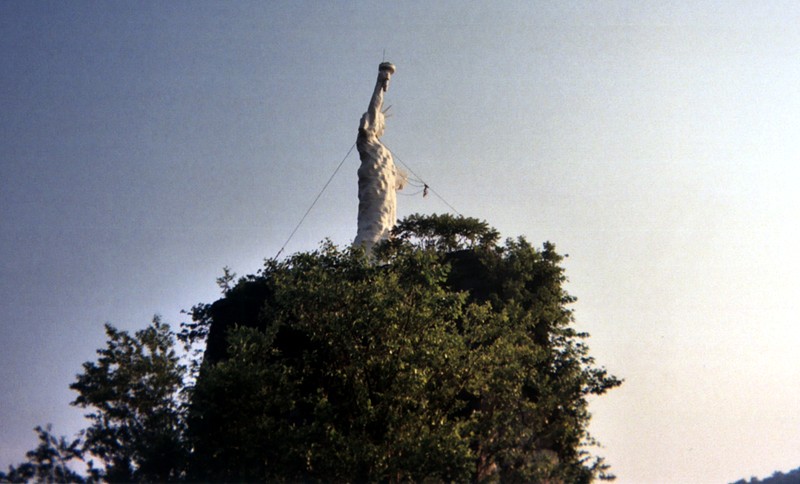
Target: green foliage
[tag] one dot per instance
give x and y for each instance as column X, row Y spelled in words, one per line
column 134, row 391
column 225, row 282
column 445, row 356
column 444, row 232
column 351, row 379
column 451, row 358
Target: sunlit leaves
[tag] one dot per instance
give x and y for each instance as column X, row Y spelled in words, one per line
column 444, row 357
column 133, row 390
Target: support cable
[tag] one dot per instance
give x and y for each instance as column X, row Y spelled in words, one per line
column 315, row 201
column 419, row 178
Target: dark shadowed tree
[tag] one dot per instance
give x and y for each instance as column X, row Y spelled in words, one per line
column 50, row 461
column 446, row 357
column 777, row 477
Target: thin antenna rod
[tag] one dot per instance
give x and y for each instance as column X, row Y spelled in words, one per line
column 384, row 56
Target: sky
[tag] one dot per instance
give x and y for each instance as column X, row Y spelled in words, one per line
column 146, row 145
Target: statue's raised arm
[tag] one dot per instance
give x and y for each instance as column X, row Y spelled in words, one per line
column 373, row 121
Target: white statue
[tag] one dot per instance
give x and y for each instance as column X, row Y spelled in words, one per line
column 378, row 178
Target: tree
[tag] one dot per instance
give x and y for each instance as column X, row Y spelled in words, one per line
column 50, row 461
column 451, row 358
column 445, row 356
column 137, row 423
column 777, row 477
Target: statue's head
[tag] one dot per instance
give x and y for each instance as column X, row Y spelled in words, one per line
column 379, row 123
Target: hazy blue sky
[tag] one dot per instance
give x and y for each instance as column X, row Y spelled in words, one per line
column 145, row 145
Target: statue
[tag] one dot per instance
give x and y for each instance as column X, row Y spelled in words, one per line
column 378, row 178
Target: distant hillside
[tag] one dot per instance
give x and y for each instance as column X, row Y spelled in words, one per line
column 792, row 477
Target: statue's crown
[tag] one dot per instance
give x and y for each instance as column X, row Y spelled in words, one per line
column 387, row 66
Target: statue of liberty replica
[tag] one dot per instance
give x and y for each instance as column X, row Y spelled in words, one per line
column 378, row 178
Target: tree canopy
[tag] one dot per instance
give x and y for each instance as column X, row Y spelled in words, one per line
column 445, row 356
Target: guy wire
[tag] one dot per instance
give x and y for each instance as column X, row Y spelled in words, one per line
column 419, row 178
column 315, row 201
column 394, row 155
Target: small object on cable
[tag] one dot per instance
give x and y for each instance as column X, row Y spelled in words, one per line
column 425, row 191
